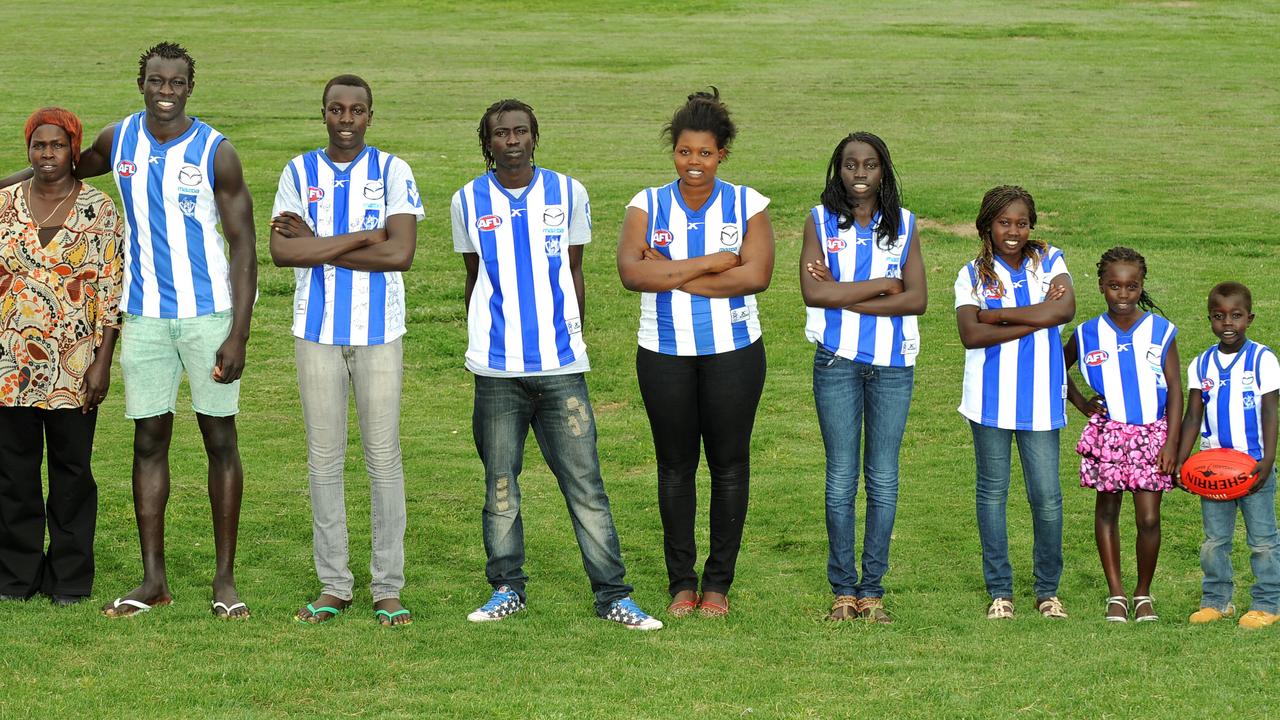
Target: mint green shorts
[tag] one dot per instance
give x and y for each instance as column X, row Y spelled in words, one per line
column 155, row 351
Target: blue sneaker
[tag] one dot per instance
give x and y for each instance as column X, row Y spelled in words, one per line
column 502, row 603
column 625, row 611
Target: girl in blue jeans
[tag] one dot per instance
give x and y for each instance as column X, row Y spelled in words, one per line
column 862, row 277
column 1011, row 302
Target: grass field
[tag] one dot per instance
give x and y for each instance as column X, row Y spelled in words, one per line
column 1139, row 123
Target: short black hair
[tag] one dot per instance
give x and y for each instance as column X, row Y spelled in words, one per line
column 348, row 81
column 503, row 106
column 703, row 112
column 167, row 51
column 1231, row 288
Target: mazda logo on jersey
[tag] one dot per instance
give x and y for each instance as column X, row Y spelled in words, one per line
column 553, row 216
column 489, row 223
column 315, row 194
column 662, row 238
column 1096, row 358
column 190, row 175
column 373, row 190
column 729, row 235
column 126, row 168
column 836, row 244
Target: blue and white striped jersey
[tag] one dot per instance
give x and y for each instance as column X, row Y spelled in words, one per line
column 1232, row 387
column 175, row 264
column 1020, row 384
column 336, row 305
column 678, row 323
column 854, row 255
column 1127, row 367
column 523, row 318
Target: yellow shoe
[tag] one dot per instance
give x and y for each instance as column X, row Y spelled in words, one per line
column 1257, row 619
column 1207, row 614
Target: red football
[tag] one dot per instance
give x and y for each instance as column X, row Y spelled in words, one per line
column 1219, row 474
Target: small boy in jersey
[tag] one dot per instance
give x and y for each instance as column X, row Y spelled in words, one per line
column 1231, row 400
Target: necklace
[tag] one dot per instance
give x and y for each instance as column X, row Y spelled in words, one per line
column 30, row 205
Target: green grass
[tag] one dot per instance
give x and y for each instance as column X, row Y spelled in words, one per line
column 1145, row 124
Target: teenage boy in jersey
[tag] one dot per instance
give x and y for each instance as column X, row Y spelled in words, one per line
column 345, row 219
column 185, row 307
column 1231, row 403
column 520, row 229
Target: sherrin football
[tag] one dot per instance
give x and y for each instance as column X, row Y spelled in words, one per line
column 1219, row 474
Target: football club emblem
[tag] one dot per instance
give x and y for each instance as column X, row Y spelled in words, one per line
column 1096, row 358
column 373, row 190
column 315, row 194
column 552, row 243
column 553, row 216
column 836, row 244
column 187, row 204
column 489, row 223
column 370, row 220
column 190, row 175
column 126, row 168
column 729, row 235
column 662, row 238
column 414, row 198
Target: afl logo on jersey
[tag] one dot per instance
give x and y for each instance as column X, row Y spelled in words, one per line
column 1206, row 385
column 489, row 223
column 993, row 292
column 662, row 238
column 373, row 190
column 1096, row 358
column 729, row 235
column 836, row 244
column 190, row 175
column 553, row 216
column 126, row 168
column 315, row 194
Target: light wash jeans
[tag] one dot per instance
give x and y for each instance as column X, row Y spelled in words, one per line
column 1038, row 450
column 559, row 410
column 849, row 394
column 1259, row 511
column 325, row 372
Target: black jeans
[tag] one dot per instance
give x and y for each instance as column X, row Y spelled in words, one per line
column 71, row 511
column 707, row 400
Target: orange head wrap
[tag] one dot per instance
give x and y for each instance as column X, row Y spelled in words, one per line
column 62, row 118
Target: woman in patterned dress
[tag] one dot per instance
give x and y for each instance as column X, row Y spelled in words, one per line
column 59, row 293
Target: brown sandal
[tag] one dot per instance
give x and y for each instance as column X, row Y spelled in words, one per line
column 846, row 607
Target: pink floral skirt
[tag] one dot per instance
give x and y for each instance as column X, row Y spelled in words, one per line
column 1116, row 456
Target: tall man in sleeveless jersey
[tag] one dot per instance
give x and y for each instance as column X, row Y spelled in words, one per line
column 520, row 229
column 186, row 308
column 345, row 219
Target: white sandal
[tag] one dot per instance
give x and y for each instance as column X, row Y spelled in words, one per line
column 1139, row 601
column 1123, row 602
column 1001, row 609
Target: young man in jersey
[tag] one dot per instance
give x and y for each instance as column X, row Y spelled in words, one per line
column 185, row 307
column 520, row 229
column 345, row 218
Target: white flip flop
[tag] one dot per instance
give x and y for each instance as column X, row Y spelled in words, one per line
column 138, row 605
column 228, row 609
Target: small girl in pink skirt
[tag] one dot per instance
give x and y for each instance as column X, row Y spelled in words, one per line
column 1129, row 357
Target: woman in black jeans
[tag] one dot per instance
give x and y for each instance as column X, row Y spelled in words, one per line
column 698, row 249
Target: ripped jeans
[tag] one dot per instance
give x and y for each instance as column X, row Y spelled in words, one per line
column 559, row 410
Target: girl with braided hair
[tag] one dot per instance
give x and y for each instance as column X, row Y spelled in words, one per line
column 1129, row 357
column 1010, row 303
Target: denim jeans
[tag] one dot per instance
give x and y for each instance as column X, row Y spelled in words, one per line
column 559, row 410
column 325, row 372
column 1038, row 450
column 847, row 394
column 1259, row 510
